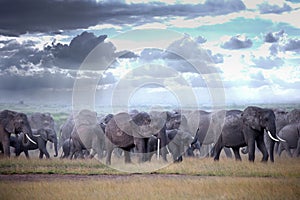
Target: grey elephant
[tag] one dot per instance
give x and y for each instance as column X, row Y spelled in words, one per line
column 178, row 141
column 39, row 120
column 12, row 122
column 206, row 127
column 66, row 147
column 66, row 150
column 87, row 134
column 245, row 129
column 291, row 134
column 66, row 130
column 282, row 118
column 127, row 132
column 40, row 137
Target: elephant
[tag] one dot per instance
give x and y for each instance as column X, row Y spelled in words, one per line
column 282, row 118
column 291, row 134
column 87, row 134
column 105, row 120
column 66, row 130
column 244, row 129
column 127, row 131
column 207, row 127
column 16, row 123
column 66, row 148
column 39, row 120
column 40, row 137
column 177, row 141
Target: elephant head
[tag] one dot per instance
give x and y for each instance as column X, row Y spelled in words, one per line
column 140, row 124
column 14, row 122
column 260, row 119
column 48, row 134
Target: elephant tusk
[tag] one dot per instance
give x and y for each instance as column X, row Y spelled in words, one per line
column 30, row 139
column 272, row 137
column 282, row 140
column 36, row 135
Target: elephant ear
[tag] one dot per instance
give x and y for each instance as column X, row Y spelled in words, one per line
column 9, row 126
column 6, row 120
column 252, row 117
column 43, row 133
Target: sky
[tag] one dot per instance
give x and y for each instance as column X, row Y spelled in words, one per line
column 138, row 52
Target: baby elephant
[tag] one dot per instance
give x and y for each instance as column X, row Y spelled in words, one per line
column 177, row 141
column 291, row 134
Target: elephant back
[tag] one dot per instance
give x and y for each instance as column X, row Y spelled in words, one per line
column 41, row 120
column 294, row 116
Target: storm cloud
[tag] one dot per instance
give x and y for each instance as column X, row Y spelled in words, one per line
column 237, row 42
column 19, row 16
column 266, row 8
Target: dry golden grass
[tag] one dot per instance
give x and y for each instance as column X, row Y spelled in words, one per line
column 191, row 179
column 155, row 187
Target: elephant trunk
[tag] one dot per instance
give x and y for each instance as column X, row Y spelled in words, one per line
column 55, row 148
column 196, row 137
column 26, row 130
column 271, row 130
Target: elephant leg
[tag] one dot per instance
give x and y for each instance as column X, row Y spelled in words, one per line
column 280, row 149
column 297, row 150
column 43, row 149
column 228, row 152
column 108, row 156
column 163, row 144
column 236, row 151
column 218, row 148
column 26, row 153
column 287, row 148
column 41, row 155
column 91, row 155
column 6, row 147
column 127, row 156
column 262, row 147
column 276, row 147
column 212, row 151
column 251, row 147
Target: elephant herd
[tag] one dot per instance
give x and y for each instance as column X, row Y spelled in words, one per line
column 144, row 134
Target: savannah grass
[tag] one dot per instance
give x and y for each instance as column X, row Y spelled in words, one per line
column 191, row 179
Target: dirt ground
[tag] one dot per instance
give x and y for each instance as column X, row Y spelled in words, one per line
column 50, row 177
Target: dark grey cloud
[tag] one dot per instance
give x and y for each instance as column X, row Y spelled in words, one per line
column 200, row 39
column 19, row 55
column 286, row 44
column 23, row 66
column 268, row 62
column 19, row 16
column 71, row 56
column 186, row 55
column 266, row 8
column 292, row 45
column 237, row 42
column 45, row 79
column 272, row 37
column 216, row 58
column 66, row 56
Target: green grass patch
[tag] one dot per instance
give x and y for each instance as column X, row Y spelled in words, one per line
column 283, row 167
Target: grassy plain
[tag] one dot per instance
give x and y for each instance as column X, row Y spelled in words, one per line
column 191, row 179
